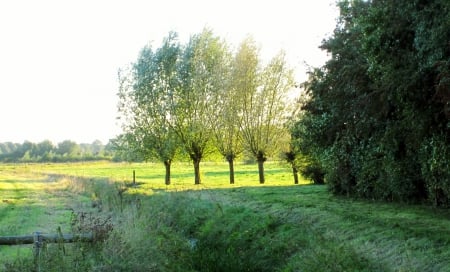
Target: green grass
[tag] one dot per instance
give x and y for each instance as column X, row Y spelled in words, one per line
column 387, row 236
column 32, row 202
column 214, row 174
column 216, row 226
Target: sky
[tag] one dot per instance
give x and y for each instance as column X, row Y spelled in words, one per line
column 59, row 59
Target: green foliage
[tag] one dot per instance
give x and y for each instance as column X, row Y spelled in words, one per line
column 261, row 93
column 434, row 158
column 377, row 112
column 201, row 73
column 314, row 172
column 45, row 151
column 147, row 106
column 197, row 97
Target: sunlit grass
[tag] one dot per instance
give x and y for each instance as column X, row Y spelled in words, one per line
column 151, row 175
column 31, row 202
column 40, row 197
column 305, row 228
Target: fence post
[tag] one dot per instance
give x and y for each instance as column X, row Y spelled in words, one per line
column 37, row 245
column 134, row 177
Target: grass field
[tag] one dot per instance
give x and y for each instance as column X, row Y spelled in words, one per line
column 216, row 226
column 214, row 174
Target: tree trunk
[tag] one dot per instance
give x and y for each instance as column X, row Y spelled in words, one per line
column 295, row 173
column 197, row 171
column 231, row 165
column 167, row 164
column 261, row 171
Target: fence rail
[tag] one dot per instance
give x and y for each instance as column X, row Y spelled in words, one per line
column 45, row 238
column 38, row 239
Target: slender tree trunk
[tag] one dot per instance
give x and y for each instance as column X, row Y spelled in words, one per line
column 197, row 171
column 261, row 171
column 231, row 165
column 295, row 173
column 167, row 164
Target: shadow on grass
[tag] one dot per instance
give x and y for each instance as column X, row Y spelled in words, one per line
column 340, row 234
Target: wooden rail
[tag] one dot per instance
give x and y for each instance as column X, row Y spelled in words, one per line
column 46, row 238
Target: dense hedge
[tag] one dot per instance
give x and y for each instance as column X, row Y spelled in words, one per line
column 378, row 114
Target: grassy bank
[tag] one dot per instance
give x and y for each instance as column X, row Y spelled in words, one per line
column 219, row 227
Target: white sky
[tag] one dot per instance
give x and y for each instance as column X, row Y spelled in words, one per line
column 59, row 58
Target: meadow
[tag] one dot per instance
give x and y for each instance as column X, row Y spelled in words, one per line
column 213, row 226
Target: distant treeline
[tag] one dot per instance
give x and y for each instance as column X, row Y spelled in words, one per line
column 46, row 151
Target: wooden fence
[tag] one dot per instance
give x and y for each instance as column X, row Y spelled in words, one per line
column 38, row 240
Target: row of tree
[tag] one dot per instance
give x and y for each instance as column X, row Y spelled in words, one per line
column 202, row 96
column 46, row 151
column 377, row 117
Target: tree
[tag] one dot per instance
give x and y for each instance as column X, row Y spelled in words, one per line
column 25, row 151
column 147, row 103
column 291, row 155
column 200, row 74
column 97, row 148
column 243, row 85
column 226, row 131
column 68, row 149
column 263, row 96
column 198, row 94
column 44, row 150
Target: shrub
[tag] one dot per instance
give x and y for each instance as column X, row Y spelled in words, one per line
column 434, row 159
column 314, row 172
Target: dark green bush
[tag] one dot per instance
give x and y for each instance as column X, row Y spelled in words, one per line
column 314, row 172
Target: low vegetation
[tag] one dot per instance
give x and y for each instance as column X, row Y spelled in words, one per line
column 214, row 226
column 47, row 151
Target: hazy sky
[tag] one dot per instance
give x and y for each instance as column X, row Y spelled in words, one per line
column 59, row 58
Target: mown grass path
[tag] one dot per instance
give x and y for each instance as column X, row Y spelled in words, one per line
column 381, row 236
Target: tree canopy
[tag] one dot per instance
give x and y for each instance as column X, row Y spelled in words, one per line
column 46, row 151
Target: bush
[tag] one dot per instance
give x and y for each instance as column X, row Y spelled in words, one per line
column 314, row 172
column 434, row 159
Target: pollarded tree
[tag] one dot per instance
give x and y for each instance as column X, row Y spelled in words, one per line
column 226, row 131
column 225, row 128
column 146, row 97
column 200, row 73
column 264, row 102
column 242, row 86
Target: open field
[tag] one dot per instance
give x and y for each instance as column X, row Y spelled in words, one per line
column 217, row 226
column 214, row 174
column 33, row 202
